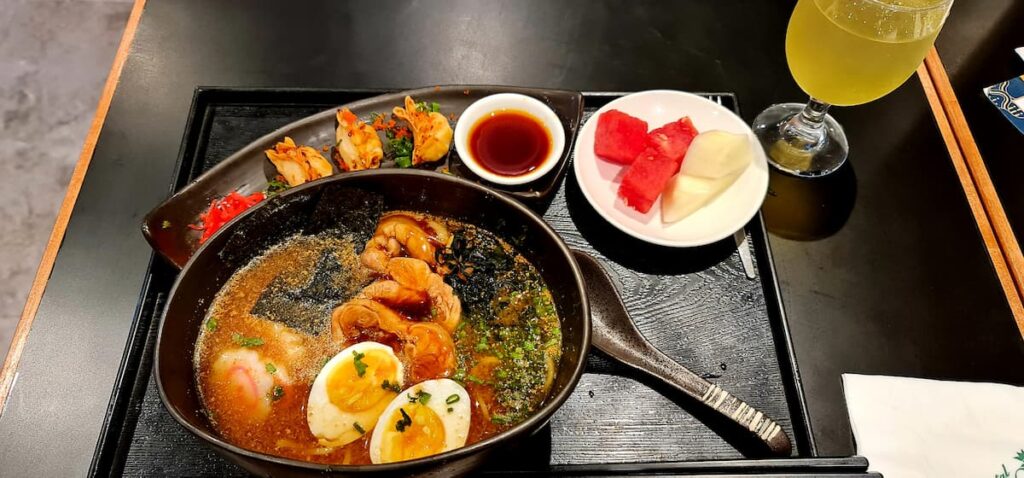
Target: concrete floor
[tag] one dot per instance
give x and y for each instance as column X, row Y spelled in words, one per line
column 54, row 59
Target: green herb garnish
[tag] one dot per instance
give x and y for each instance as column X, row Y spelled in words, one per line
column 404, row 422
column 246, row 341
column 422, row 397
column 403, row 161
column 435, row 107
column 394, row 387
column 478, row 381
column 422, row 107
column 500, row 419
column 165, row 225
column 358, row 362
column 276, row 393
column 542, row 305
column 271, row 368
column 450, row 409
column 275, row 186
column 453, row 398
column 211, row 324
column 358, row 428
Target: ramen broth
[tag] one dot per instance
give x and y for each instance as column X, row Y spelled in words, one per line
column 255, row 363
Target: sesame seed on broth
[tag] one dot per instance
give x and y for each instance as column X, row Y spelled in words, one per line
column 255, row 364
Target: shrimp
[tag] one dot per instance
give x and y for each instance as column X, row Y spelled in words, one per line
column 357, row 143
column 414, row 287
column 298, row 164
column 407, row 232
column 432, row 135
column 427, row 346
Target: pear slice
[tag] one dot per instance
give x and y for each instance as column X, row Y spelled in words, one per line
column 717, row 154
column 714, row 161
column 686, row 194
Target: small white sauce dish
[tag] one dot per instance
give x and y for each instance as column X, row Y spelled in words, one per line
column 490, row 105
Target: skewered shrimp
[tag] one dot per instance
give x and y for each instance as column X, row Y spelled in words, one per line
column 398, row 232
column 357, row 143
column 298, row 164
column 427, row 346
column 432, row 135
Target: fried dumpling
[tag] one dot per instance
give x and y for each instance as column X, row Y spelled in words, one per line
column 432, row 135
column 357, row 144
column 298, row 164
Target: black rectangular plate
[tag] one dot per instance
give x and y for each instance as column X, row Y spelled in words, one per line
column 696, row 305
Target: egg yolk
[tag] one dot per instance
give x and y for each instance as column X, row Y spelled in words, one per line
column 350, row 392
column 422, row 435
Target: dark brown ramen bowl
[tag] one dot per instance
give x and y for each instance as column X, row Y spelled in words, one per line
column 327, row 205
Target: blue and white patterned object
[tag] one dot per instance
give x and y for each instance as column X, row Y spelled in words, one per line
column 1008, row 96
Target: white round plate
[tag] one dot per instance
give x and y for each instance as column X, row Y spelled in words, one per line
column 720, row 218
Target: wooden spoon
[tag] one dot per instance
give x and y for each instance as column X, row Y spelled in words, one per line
column 615, row 334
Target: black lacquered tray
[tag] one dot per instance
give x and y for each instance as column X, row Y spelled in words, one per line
column 696, row 305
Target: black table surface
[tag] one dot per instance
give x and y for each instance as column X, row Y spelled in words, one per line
column 978, row 51
column 881, row 267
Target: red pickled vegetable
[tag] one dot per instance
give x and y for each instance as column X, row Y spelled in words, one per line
column 223, row 210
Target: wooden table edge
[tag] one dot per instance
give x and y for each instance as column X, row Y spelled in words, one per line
column 1009, row 266
column 987, row 208
column 35, row 294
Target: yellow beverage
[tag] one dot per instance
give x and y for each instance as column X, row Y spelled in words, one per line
column 849, row 52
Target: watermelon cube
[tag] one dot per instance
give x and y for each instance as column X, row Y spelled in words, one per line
column 673, row 139
column 648, row 175
column 619, row 137
column 646, row 178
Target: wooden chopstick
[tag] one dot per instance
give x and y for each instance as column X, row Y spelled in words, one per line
column 1000, row 241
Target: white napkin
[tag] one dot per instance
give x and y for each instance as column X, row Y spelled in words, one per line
column 910, row 427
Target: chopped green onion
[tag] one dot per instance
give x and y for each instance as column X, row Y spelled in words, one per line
column 275, row 186
column 271, row 368
column 403, row 161
column 404, row 422
column 276, row 393
column 452, row 399
column 358, row 362
column 424, row 398
column 358, row 428
column 394, row 387
column 246, row 341
column 165, row 225
column 211, row 324
column 435, row 107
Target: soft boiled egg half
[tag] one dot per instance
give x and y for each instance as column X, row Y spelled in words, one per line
column 430, row 417
column 351, row 391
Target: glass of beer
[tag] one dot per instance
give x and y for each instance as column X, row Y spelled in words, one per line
column 843, row 52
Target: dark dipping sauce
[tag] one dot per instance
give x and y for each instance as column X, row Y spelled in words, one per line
column 509, row 143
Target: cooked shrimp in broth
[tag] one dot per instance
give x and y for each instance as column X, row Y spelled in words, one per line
column 427, row 303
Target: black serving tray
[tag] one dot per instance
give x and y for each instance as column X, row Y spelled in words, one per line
column 696, row 305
